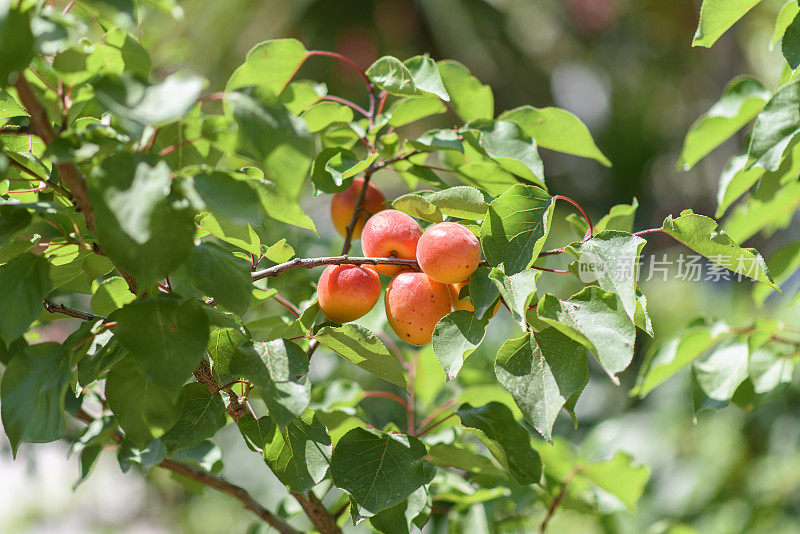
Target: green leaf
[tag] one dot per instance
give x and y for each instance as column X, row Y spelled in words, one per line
column 299, row 455
column 220, row 274
column 743, row 98
column 556, row 129
column 166, row 337
column 323, row 114
column 619, row 217
column 269, row 65
column 597, row 320
column 399, row 518
column 363, row 348
column 32, row 394
column 147, row 457
column 783, row 263
column 407, row 110
column 542, row 370
column 148, row 105
column 299, row 95
column 452, row 455
column 619, row 477
column 716, row 16
column 486, row 176
column 16, row 41
column 667, row 358
column 790, row 43
column 378, row 470
column 135, row 199
column 610, row 259
column 463, row 202
column 455, row 337
column 279, row 370
column 434, row 140
column 281, row 144
column 703, row 235
column 771, row 212
column 223, row 342
column 469, row 97
column 144, row 409
column 516, row 290
column 482, row 292
column 417, row 76
column 506, row 439
column 333, row 167
column 510, row 146
column 515, row 228
column 256, row 432
column 24, row 283
column 202, row 414
column 229, row 196
column 776, row 126
column 735, row 181
column 111, row 294
column 715, row 379
column 103, row 353
column 786, row 16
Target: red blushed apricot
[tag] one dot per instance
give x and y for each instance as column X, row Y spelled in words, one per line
column 390, row 233
column 343, row 204
column 448, row 252
column 414, row 304
column 347, row 292
column 455, row 289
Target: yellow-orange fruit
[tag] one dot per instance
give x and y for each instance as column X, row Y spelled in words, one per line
column 390, row 233
column 448, row 252
column 343, row 204
column 414, row 304
column 455, row 289
column 347, row 292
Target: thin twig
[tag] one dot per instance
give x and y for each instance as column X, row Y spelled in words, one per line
column 15, row 130
column 560, row 497
column 434, row 425
column 343, row 59
column 72, row 312
column 386, row 395
column 348, row 236
column 346, row 102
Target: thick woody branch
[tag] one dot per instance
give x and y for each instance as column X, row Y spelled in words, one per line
column 310, row 263
column 213, row 481
column 40, row 126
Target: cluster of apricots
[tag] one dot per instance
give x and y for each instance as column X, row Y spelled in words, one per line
column 447, row 253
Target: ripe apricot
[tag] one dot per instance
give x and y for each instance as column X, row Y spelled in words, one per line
column 458, row 304
column 347, row 292
column 448, row 252
column 414, row 304
column 343, row 204
column 390, row 233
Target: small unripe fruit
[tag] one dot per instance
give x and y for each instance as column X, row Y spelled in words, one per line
column 448, row 252
column 455, row 289
column 391, row 233
column 414, row 304
column 347, row 292
column 343, row 204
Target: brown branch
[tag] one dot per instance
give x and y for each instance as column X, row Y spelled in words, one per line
column 348, row 236
column 236, row 408
column 212, row 481
column 560, row 497
column 324, row 520
column 40, row 126
column 310, row 263
column 72, row 312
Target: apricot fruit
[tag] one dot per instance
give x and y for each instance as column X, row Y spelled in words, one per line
column 448, row 252
column 343, row 205
column 347, row 292
column 414, row 304
column 458, row 304
column 391, row 233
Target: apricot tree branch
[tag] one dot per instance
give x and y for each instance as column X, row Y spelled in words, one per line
column 347, row 103
column 344, row 59
column 310, row 263
column 72, row 312
column 212, row 481
column 41, row 127
column 560, row 497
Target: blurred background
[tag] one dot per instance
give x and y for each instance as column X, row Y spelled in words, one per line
column 626, row 68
